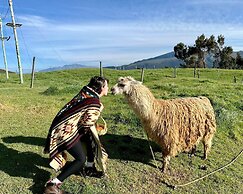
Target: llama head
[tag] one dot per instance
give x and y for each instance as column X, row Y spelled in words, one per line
column 123, row 85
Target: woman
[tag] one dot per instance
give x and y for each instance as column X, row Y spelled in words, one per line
column 73, row 130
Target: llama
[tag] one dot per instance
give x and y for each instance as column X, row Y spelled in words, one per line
column 177, row 125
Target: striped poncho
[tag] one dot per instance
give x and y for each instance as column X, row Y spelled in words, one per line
column 75, row 119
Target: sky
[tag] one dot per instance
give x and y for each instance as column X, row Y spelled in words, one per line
column 115, row 32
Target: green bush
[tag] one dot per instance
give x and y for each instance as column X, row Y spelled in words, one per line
column 52, row 90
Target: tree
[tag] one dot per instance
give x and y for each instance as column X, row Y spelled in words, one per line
column 200, row 45
column 204, row 46
column 191, row 61
column 181, row 51
column 239, row 61
column 217, row 50
column 226, row 59
column 194, row 56
column 186, row 54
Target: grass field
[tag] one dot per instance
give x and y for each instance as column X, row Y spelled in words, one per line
column 26, row 114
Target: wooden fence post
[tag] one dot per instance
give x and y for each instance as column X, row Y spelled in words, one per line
column 174, row 72
column 101, row 69
column 33, row 73
column 198, row 73
column 194, row 72
column 142, row 75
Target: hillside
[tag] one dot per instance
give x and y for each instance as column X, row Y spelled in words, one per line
column 65, row 67
column 3, row 71
column 166, row 60
column 163, row 61
column 26, row 115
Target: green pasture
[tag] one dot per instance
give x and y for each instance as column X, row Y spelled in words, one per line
column 26, row 114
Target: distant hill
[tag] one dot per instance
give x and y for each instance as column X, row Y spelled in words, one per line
column 3, row 71
column 72, row 66
column 166, row 60
column 235, row 53
column 163, row 61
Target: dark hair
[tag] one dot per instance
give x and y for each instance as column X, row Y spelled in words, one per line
column 97, row 83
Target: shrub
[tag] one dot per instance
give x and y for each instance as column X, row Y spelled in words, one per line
column 52, row 90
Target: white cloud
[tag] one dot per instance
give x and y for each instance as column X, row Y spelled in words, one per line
column 119, row 42
column 33, row 21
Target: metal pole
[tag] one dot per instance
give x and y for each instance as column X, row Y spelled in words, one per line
column 3, row 47
column 16, row 42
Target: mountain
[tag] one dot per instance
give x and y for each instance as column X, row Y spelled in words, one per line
column 164, row 61
column 72, row 66
column 161, row 61
column 235, row 53
column 3, row 71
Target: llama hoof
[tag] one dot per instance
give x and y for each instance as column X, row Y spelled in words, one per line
column 203, row 167
column 204, row 157
column 191, row 155
column 163, row 170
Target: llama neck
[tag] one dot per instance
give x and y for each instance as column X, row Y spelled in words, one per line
column 141, row 100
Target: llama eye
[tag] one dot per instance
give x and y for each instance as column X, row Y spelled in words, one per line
column 121, row 85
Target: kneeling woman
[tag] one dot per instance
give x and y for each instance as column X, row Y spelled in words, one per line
column 73, row 130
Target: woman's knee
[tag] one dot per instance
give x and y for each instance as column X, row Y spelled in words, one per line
column 78, row 152
column 81, row 160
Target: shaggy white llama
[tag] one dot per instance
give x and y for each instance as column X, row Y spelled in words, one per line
column 177, row 125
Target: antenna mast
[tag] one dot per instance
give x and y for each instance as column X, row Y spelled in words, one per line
column 3, row 47
column 14, row 25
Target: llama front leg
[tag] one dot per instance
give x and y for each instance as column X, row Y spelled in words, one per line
column 193, row 151
column 166, row 161
column 207, row 143
column 207, row 146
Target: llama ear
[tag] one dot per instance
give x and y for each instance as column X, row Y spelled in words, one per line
column 120, row 79
column 130, row 78
column 136, row 82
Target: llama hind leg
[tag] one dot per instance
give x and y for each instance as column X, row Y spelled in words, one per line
column 166, row 161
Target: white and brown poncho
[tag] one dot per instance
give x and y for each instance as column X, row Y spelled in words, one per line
column 76, row 118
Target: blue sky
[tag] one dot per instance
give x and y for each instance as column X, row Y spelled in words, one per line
column 116, row 32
